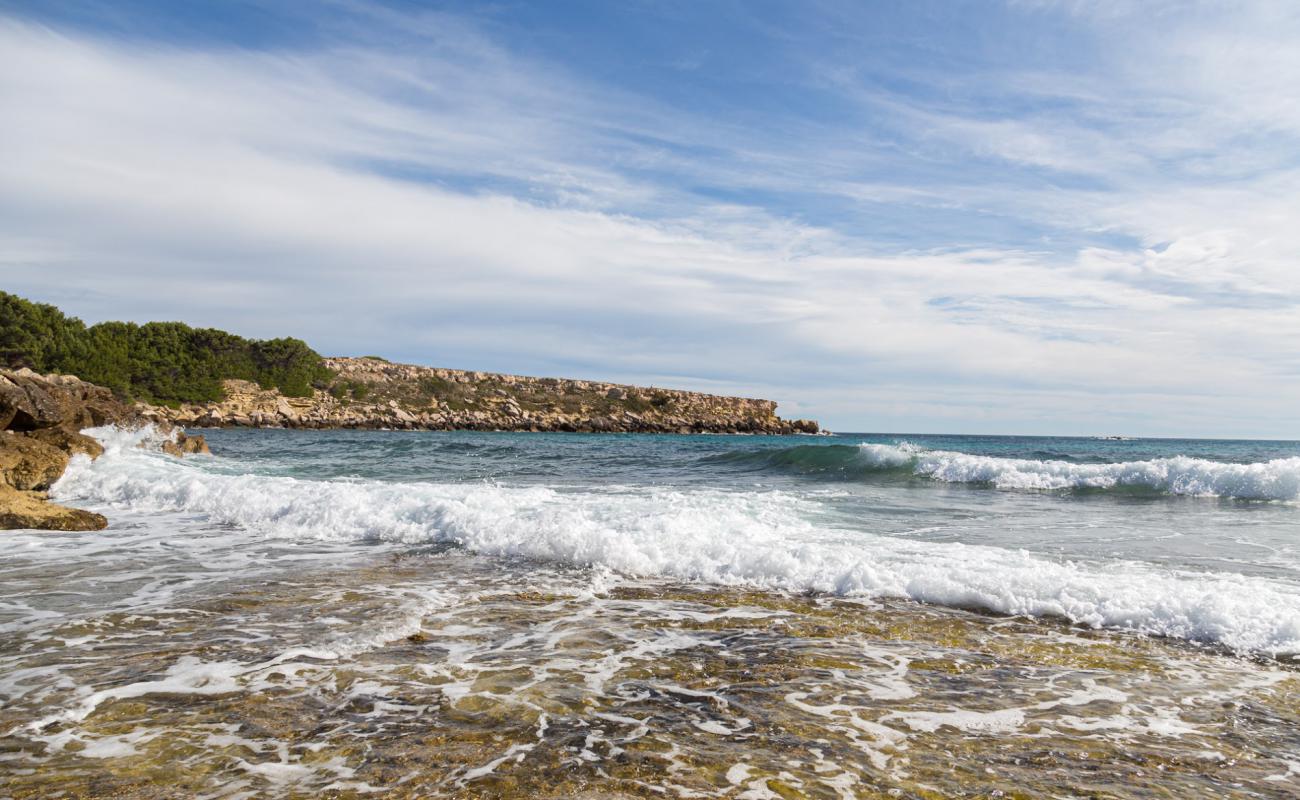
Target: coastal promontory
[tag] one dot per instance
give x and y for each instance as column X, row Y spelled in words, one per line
column 177, row 374
column 59, row 376
column 372, row 393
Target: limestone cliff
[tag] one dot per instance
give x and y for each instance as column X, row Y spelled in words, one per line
column 373, row 393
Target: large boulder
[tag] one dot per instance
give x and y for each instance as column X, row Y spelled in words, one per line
column 30, row 510
column 29, row 401
column 27, row 464
column 26, row 403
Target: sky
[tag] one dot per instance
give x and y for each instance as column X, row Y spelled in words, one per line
column 1020, row 217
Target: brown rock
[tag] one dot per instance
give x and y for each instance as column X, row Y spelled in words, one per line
column 27, row 464
column 30, row 510
column 185, row 443
column 69, row 441
column 27, row 404
column 41, row 417
column 29, row 401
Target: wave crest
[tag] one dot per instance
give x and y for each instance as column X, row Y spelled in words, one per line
column 763, row 539
column 1179, row 475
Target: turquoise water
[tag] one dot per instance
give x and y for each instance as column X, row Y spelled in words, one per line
column 1183, row 505
column 415, row 614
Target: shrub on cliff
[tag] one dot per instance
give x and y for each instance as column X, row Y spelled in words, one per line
column 159, row 361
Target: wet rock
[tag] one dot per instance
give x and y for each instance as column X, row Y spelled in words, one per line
column 27, row 464
column 186, row 444
column 41, row 417
column 805, row 426
column 69, row 441
column 31, row 511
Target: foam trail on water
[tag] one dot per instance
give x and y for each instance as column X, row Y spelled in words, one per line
column 759, row 538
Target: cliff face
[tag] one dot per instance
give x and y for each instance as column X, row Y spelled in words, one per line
column 373, row 393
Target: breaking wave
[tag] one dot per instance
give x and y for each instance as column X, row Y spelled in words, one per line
column 1278, row 479
column 758, row 538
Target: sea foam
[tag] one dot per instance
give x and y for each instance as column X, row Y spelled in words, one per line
column 1278, row 479
column 757, row 538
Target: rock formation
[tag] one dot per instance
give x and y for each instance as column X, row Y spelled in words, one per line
column 373, row 393
column 41, row 417
column 32, row 510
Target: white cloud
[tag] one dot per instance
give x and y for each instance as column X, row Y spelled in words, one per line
column 320, row 193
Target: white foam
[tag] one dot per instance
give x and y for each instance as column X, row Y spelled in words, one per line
column 1001, row 721
column 1278, row 479
column 738, row 774
column 759, row 538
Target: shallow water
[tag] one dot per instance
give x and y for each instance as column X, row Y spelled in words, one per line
column 488, row 615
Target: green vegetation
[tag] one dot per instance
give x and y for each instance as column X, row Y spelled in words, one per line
column 433, row 386
column 161, row 362
column 349, row 390
column 637, row 404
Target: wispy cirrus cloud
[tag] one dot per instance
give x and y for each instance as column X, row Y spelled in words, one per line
column 1009, row 247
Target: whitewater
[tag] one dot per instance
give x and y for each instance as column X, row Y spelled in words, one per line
column 1278, row 479
column 447, row 614
column 781, row 536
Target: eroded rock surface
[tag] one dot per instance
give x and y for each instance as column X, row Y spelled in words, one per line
column 30, row 401
column 31, row 510
column 27, row 464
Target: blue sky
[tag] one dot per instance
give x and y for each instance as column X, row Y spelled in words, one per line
column 1016, row 217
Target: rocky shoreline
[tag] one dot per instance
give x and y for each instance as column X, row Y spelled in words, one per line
column 42, row 416
column 41, row 419
column 371, row 393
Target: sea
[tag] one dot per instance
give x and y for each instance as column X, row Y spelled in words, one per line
column 356, row 614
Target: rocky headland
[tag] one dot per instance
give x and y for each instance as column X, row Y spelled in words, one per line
column 41, row 419
column 42, row 416
column 371, row 393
